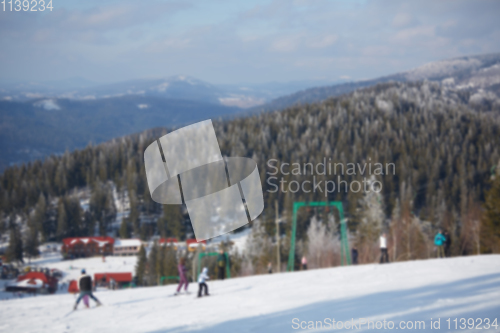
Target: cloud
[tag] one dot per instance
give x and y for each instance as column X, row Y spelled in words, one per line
column 408, row 35
column 286, row 44
column 324, row 41
column 402, row 20
column 226, row 41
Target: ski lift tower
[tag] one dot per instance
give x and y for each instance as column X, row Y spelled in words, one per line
column 345, row 256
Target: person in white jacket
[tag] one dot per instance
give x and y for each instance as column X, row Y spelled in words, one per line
column 201, row 282
column 384, row 257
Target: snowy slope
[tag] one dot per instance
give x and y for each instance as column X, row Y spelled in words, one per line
column 72, row 268
column 466, row 287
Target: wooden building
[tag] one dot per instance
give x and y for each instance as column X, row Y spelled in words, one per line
column 82, row 247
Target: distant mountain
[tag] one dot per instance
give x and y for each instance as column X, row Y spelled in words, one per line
column 37, row 128
column 478, row 74
column 38, row 119
column 177, row 87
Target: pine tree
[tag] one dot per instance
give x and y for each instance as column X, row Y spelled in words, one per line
column 62, row 219
column 40, row 217
column 31, row 244
column 153, row 265
column 160, row 262
column 170, row 266
column 74, row 214
column 15, row 249
column 102, row 206
column 124, row 229
column 2, row 224
column 134, row 213
column 490, row 230
column 140, row 268
column 173, row 221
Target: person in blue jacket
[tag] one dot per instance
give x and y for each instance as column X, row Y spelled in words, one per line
column 439, row 241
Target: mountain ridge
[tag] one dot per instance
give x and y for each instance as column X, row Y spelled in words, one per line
column 480, row 74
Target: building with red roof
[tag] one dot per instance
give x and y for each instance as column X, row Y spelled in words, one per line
column 169, row 242
column 34, row 282
column 192, row 244
column 108, row 279
column 81, row 247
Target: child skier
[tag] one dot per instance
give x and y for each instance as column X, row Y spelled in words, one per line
column 201, row 282
column 86, row 301
column 182, row 277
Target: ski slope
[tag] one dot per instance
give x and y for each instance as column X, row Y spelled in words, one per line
column 72, row 268
column 464, row 287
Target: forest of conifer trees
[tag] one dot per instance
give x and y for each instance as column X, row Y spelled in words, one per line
column 446, row 153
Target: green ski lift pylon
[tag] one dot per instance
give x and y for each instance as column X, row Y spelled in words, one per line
column 163, row 278
column 345, row 256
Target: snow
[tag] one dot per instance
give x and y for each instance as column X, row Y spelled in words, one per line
column 127, row 242
column 464, row 287
column 72, row 268
column 238, row 239
column 441, row 68
column 48, row 104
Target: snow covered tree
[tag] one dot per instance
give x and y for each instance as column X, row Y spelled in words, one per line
column 371, row 223
column 323, row 244
column 258, row 248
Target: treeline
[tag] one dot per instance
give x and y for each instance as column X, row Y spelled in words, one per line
column 444, row 150
column 161, row 262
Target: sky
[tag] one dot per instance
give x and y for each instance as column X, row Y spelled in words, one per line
column 229, row 41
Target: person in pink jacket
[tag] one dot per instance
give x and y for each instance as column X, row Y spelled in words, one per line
column 182, row 276
column 304, row 263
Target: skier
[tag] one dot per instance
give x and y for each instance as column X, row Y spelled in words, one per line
column 182, row 276
column 201, row 282
column 270, row 268
column 447, row 244
column 384, row 257
column 354, row 254
column 85, row 285
column 439, row 241
column 304, row 263
column 112, row 284
column 221, row 265
column 86, row 301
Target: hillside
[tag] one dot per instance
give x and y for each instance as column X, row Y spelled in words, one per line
column 38, row 128
column 413, row 291
column 37, row 120
column 478, row 74
column 40, row 119
column 443, row 148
